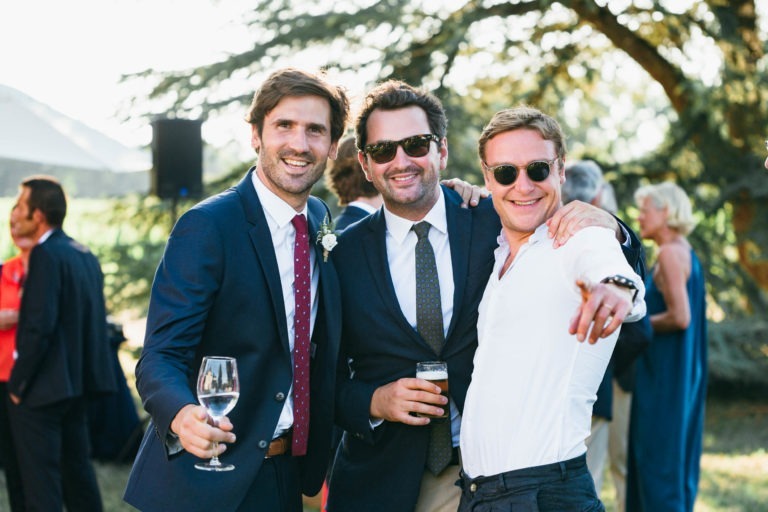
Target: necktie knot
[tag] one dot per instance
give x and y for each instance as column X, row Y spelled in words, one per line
column 421, row 229
column 300, row 224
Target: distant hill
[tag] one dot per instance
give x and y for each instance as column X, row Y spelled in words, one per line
column 36, row 139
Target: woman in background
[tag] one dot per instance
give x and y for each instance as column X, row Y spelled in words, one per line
column 671, row 382
column 11, row 281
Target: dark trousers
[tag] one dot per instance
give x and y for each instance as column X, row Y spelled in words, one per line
column 558, row 487
column 8, row 454
column 53, row 451
column 277, row 487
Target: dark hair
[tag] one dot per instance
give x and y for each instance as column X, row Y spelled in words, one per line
column 523, row 117
column 345, row 177
column 393, row 95
column 46, row 195
column 295, row 82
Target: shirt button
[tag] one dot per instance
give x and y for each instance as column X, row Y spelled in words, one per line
column 280, row 397
column 263, row 444
column 473, row 487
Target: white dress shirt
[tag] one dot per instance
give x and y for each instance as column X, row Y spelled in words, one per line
column 533, row 383
column 279, row 215
column 401, row 256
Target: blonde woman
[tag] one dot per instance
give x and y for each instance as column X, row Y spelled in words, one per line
column 670, row 387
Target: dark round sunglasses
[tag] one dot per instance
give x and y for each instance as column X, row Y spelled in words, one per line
column 506, row 174
column 415, row 146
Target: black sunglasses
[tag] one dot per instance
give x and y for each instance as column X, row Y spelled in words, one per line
column 506, row 174
column 415, row 146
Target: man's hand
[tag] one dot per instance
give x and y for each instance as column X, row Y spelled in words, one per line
column 196, row 431
column 470, row 194
column 14, row 398
column 577, row 215
column 396, row 400
column 603, row 307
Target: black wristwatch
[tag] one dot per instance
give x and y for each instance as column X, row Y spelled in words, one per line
column 623, row 282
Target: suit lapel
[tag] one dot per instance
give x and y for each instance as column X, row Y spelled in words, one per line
column 328, row 280
column 375, row 246
column 459, row 235
column 261, row 239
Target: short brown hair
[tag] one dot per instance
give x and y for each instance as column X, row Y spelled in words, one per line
column 396, row 94
column 345, row 177
column 295, row 82
column 46, row 195
column 523, row 117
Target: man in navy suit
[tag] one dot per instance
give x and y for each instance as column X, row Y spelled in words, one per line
column 225, row 287
column 63, row 355
column 381, row 463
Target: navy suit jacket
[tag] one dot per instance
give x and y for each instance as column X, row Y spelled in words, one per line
column 217, row 291
column 381, row 470
column 350, row 215
column 62, row 343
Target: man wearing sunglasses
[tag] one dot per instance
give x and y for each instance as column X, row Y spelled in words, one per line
column 528, row 408
column 390, row 458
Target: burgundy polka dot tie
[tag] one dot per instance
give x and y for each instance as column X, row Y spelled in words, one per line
column 301, row 320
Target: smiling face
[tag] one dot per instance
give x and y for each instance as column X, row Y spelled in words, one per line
column 525, row 204
column 294, row 147
column 409, row 185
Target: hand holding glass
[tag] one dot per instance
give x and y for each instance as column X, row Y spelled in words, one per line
column 218, row 389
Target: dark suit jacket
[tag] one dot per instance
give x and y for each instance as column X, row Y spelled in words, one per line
column 62, row 342
column 382, row 470
column 217, row 291
column 350, row 215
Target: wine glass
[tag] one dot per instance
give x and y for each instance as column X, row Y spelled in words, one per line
column 218, row 389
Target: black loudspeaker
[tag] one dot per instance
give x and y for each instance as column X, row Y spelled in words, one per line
column 177, row 159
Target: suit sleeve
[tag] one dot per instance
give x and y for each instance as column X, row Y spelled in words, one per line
column 183, row 291
column 353, row 403
column 40, row 304
column 633, row 251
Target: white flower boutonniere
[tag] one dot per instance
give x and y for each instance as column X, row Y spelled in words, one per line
column 327, row 237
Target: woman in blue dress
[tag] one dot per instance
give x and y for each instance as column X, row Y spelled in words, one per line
column 670, row 388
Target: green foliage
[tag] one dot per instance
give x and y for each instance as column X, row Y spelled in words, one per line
column 651, row 90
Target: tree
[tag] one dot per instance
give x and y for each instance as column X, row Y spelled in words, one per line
column 614, row 71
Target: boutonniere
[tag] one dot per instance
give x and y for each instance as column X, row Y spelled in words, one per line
column 327, row 237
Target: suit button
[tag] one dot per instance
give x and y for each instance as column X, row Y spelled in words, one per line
column 472, row 487
column 263, row 444
column 280, row 397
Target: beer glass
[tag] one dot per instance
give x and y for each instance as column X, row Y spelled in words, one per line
column 435, row 372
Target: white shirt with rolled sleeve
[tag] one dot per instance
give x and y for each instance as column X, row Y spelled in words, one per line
column 533, row 383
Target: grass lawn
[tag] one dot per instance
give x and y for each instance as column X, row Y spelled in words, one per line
column 734, row 475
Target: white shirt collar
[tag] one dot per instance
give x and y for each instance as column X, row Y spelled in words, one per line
column 45, row 236
column 399, row 227
column 280, row 211
column 363, row 206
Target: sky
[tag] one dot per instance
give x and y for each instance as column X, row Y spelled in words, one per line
column 70, row 54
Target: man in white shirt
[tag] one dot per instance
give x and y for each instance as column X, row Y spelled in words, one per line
column 528, row 407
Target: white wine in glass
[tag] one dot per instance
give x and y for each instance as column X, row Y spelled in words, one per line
column 218, row 389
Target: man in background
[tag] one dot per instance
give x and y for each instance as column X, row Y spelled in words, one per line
column 63, row 355
column 346, row 180
column 610, row 414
